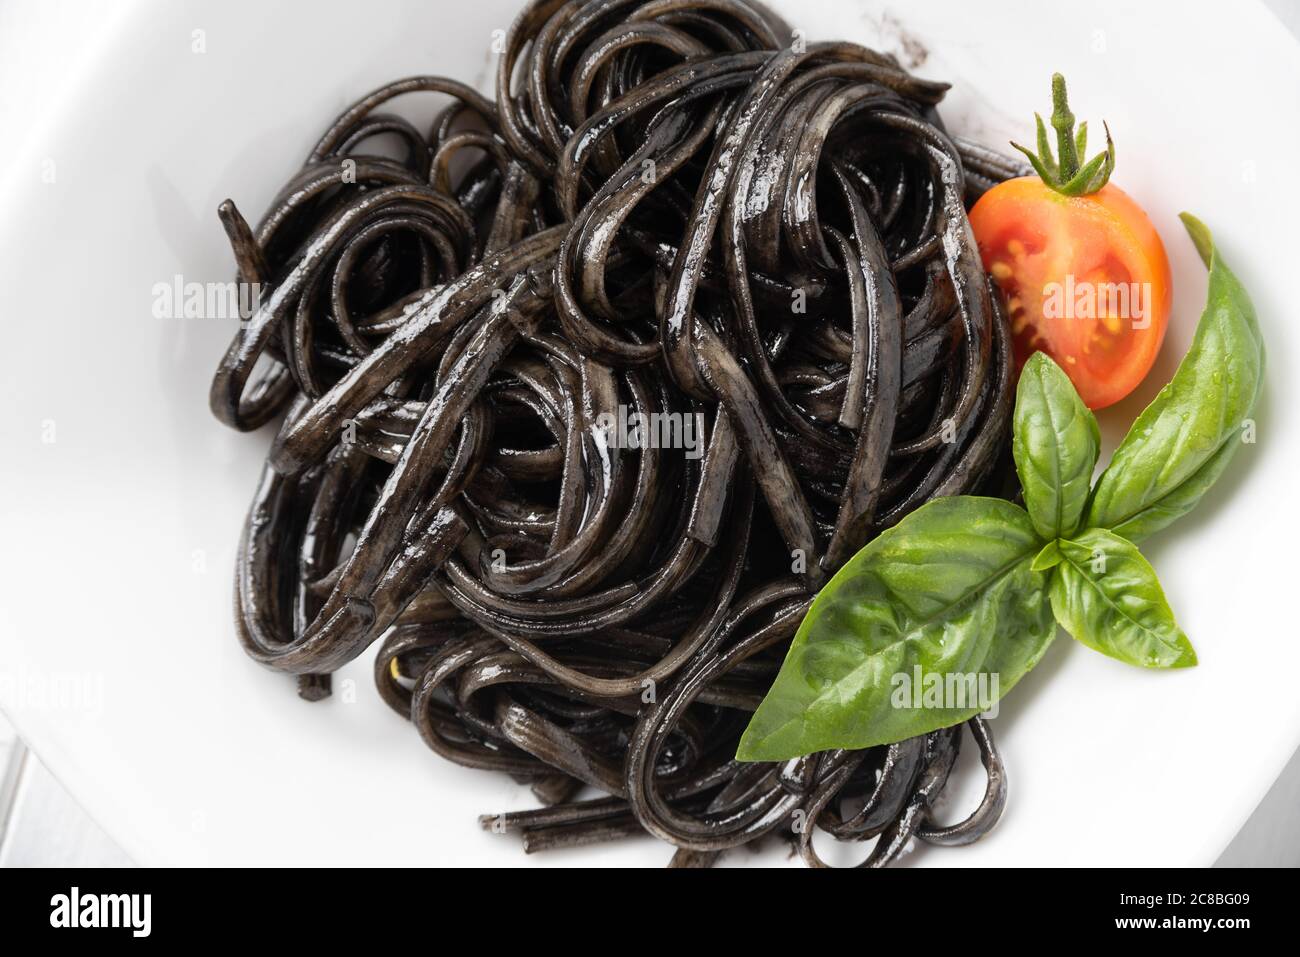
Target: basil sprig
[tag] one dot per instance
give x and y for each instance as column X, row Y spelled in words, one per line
column 972, row 588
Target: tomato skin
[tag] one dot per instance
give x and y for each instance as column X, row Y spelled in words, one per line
column 1050, row 253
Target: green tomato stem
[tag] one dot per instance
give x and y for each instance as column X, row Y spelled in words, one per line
column 1066, row 173
column 1063, row 123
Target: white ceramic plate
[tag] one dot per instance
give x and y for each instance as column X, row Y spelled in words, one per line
column 123, row 499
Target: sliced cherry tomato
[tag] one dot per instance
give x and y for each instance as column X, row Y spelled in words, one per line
column 1085, row 278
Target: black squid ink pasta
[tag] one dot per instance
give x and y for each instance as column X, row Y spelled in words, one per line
column 672, row 212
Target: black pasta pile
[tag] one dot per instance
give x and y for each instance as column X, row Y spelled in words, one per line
column 586, row 393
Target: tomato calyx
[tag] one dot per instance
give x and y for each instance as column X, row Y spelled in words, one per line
column 1065, row 175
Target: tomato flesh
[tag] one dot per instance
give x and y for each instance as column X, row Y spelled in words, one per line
column 1084, row 279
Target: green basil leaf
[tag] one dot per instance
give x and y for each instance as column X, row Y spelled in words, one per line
column 948, row 591
column 1055, row 442
column 1107, row 596
column 1049, row 557
column 1183, row 441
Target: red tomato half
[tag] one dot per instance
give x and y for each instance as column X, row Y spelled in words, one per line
column 1085, row 279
